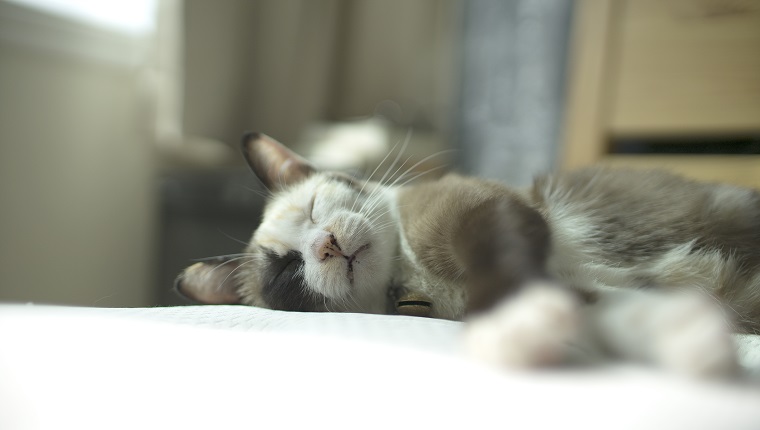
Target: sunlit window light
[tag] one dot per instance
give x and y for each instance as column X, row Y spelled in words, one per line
column 129, row 16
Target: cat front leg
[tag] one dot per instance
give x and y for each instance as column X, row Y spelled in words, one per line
column 532, row 328
column 519, row 317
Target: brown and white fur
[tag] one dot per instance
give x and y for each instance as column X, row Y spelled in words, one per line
column 654, row 267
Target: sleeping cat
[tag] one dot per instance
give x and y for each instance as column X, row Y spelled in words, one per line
column 651, row 266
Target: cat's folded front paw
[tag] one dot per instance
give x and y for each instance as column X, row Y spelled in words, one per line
column 530, row 329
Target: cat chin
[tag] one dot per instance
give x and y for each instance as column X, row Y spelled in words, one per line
column 363, row 290
column 372, row 276
column 329, row 278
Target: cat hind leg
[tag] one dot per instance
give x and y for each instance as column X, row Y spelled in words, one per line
column 682, row 332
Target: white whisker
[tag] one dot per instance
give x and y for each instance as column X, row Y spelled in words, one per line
column 226, row 256
column 382, row 180
column 423, row 161
column 398, row 156
column 232, row 238
column 251, row 260
column 234, row 270
column 373, row 173
column 422, row 174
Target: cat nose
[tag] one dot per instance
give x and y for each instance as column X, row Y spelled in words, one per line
column 329, row 248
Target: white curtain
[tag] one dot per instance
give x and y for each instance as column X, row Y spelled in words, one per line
column 275, row 66
column 491, row 70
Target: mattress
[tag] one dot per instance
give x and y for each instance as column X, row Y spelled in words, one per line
column 243, row 367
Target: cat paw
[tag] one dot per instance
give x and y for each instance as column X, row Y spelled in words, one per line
column 692, row 336
column 530, row 329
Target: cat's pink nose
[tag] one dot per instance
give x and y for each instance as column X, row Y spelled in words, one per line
column 329, row 248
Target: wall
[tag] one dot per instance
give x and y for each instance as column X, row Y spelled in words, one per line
column 76, row 189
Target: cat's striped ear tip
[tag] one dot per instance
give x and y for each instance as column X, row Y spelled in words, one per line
column 274, row 164
column 250, row 136
column 253, row 139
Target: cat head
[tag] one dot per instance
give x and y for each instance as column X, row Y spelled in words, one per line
column 326, row 241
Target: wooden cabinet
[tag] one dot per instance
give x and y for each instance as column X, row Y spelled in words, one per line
column 675, row 70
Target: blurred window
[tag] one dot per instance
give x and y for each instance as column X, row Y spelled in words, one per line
column 132, row 16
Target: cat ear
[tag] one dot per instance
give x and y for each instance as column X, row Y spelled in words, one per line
column 276, row 165
column 210, row 282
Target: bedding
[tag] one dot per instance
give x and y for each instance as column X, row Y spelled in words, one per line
column 243, row 367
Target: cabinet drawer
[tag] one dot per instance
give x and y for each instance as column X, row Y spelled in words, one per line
column 685, row 66
column 733, row 169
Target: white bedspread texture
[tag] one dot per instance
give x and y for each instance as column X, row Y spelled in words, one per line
column 241, row 367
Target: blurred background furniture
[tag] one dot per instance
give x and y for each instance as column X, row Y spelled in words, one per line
column 666, row 83
column 119, row 121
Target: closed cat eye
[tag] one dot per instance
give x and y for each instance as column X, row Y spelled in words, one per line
column 311, row 209
column 346, row 180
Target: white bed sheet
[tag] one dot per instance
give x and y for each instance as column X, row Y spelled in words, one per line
column 242, row 367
